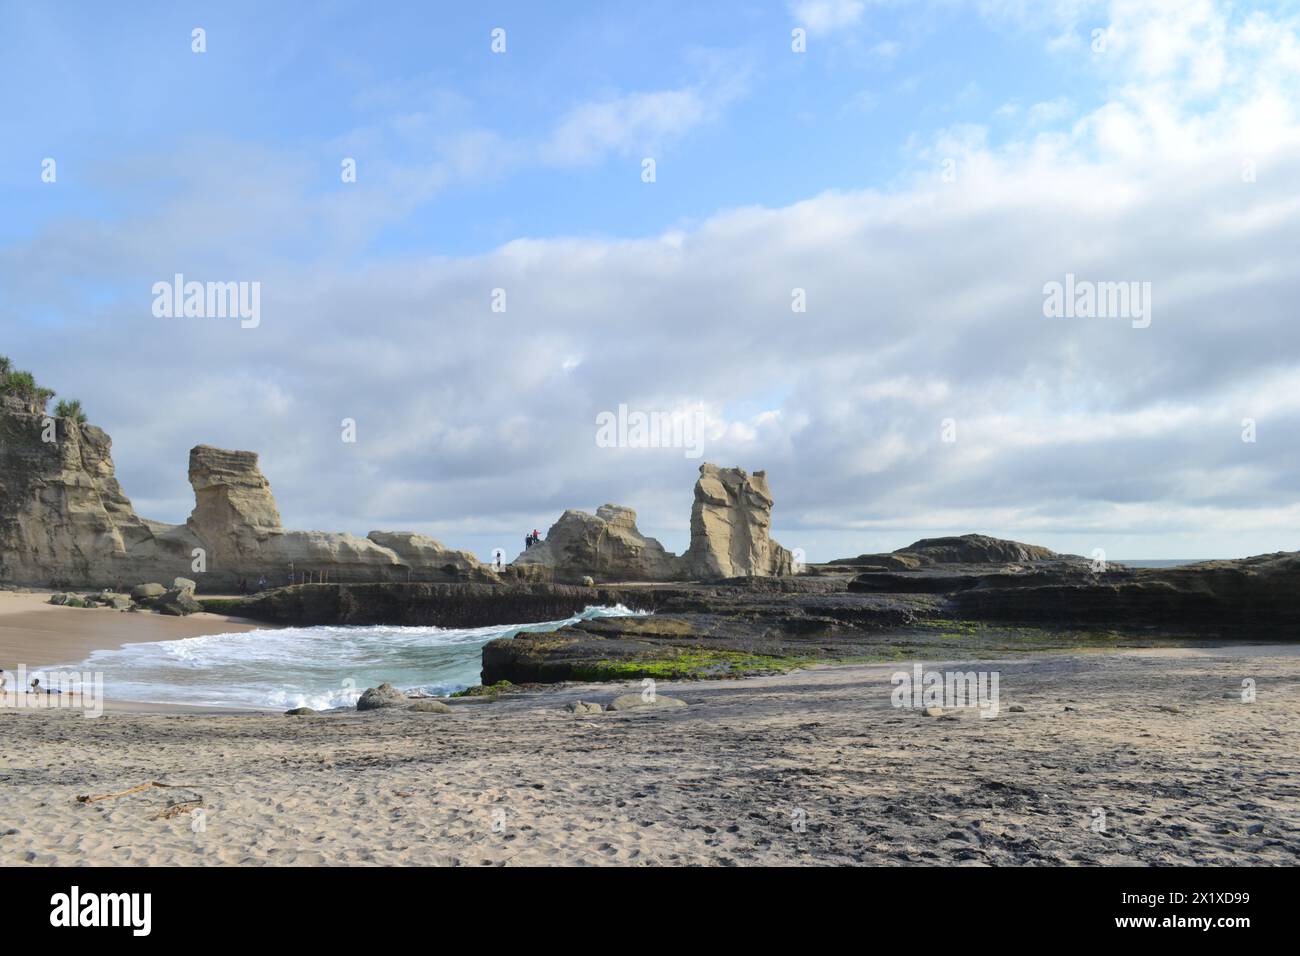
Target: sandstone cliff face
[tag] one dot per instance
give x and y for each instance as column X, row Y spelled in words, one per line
column 606, row 546
column 731, row 522
column 64, row 522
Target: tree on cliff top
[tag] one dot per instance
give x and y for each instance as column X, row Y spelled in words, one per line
column 22, row 385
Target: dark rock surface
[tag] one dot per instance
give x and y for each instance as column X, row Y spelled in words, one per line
column 440, row 605
column 967, row 549
column 757, row 625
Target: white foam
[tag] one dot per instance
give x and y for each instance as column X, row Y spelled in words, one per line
column 317, row 667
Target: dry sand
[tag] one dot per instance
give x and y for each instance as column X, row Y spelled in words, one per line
column 1161, row 743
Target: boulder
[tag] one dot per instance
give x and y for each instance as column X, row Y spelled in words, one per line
column 58, row 599
column 730, row 524
column 635, row 702
column 178, row 603
column 184, row 584
column 299, row 712
column 148, row 592
column 385, row 695
column 429, row 707
column 583, row 707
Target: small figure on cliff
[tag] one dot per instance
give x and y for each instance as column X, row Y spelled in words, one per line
column 261, row 583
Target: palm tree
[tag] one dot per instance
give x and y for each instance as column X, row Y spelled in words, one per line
column 70, row 408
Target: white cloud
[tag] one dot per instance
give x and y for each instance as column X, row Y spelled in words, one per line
column 823, row 16
column 924, row 303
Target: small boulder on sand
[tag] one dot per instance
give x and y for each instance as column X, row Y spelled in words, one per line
column 429, row 707
column 636, row 702
column 385, row 695
column 184, row 584
column 934, row 711
column 583, row 707
column 148, row 592
column 178, row 603
column 299, row 712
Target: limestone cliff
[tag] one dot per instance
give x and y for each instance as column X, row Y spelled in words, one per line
column 64, row 522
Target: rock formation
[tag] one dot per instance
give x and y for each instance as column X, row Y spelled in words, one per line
column 960, row 549
column 605, row 546
column 730, row 524
column 64, row 522
column 730, row 537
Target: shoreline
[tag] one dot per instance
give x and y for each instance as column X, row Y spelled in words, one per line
column 1141, row 737
column 41, row 635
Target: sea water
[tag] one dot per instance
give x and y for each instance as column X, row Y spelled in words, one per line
column 318, row 667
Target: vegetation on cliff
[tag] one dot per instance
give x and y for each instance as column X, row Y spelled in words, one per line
column 23, row 386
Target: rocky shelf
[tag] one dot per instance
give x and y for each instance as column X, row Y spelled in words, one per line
column 832, row 613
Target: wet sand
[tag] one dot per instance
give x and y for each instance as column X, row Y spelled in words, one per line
column 1117, row 758
column 39, row 634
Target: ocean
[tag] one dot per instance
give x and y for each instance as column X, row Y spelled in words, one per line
column 318, row 667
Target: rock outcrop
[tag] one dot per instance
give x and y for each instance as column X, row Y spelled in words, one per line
column 731, row 522
column 65, row 522
column 605, row 546
column 959, row 549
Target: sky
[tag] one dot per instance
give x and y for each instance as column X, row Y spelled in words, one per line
column 839, row 267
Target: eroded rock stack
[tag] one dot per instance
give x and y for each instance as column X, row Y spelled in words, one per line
column 731, row 522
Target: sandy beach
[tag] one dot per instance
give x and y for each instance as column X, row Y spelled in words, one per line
column 1146, row 758
column 39, row 634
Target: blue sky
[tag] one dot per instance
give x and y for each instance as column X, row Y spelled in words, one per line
column 778, row 127
column 1119, row 159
